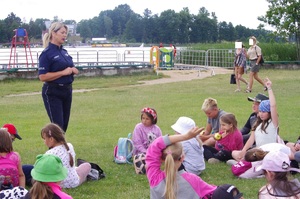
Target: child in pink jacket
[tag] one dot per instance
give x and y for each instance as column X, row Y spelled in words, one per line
column 171, row 183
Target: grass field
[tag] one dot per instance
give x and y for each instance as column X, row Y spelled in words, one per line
column 101, row 116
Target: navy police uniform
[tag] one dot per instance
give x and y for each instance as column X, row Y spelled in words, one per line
column 57, row 94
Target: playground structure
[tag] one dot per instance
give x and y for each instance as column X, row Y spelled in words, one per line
column 161, row 58
column 20, row 39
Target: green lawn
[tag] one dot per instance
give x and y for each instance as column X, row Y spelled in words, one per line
column 101, row 116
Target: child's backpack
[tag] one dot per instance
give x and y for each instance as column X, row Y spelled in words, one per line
column 96, row 172
column 123, row 151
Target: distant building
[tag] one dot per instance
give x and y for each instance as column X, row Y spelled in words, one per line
column 71, row 27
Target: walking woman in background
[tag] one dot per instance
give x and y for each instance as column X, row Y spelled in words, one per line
column 254, row 54
column 240, row 65
column 56, row 70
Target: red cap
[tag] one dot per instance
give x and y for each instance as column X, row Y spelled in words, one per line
column 12, row 130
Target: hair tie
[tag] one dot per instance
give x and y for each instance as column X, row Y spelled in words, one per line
column 169, row 152
column 50, row 133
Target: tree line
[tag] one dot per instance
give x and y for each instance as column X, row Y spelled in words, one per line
column 122, row 24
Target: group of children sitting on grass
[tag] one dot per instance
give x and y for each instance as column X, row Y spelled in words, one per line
column 260, row 153
column 254, row 151
column 51, row 172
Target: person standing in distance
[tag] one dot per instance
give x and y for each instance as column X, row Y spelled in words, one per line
column 254, row 54
column 56, row 70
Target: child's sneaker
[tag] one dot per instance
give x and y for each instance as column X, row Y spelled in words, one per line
column 231, row 162
column 213, row 161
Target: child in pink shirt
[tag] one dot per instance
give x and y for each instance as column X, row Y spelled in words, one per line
column 174, row 183
column 10, row 162
column 230, row 139
column 171, row 183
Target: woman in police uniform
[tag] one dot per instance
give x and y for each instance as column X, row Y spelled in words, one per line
column 56, row 70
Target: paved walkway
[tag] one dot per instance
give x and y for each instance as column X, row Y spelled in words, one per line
column 186, row 75
column 173, row 76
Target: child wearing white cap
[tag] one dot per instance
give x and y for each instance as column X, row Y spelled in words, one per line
column 193, row 150
column 276, row 167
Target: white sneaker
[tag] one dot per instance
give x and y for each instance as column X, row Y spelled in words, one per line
column 231, row 162
column 213, row 161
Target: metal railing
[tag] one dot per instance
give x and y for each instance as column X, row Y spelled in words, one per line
column 100, row 57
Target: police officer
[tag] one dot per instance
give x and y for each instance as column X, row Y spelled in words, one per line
column 56, row 70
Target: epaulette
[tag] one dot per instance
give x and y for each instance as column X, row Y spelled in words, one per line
column 46, row 49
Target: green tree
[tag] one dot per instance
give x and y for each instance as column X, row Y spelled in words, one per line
column 108, row 23
column 184, row 26
column 147, row 21
column 169, row 26
column 120, row 15
column 3, row 38
column 132, row 32
column 203, row 28
column 284, row 15
column 242, row 33
column 226, row 32
column 35, row 28
column 84, row 29
column 11, row 23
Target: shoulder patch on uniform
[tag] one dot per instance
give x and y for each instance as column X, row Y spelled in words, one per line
column 46, row 49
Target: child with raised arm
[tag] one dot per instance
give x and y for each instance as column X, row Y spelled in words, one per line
column 230, row 139
column 172, row 183
column 265, row 129
column 54, row 138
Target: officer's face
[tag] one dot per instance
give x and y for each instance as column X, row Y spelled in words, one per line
column 59, row 37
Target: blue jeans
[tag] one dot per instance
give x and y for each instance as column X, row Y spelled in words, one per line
column 27, row 172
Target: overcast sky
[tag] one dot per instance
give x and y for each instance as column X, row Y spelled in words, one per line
column 238, row 12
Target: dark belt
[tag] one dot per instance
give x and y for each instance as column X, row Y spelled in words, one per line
column 57, row 85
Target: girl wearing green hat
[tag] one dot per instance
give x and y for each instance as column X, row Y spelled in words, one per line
column 47, row 173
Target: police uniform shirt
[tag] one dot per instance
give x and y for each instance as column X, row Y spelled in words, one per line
column 53, row 59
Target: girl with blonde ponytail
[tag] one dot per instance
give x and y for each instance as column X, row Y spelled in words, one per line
column 172, row 183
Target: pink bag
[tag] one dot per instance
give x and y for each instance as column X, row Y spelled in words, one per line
column 240, row 167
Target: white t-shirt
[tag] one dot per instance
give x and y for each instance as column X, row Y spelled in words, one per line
column 72, row 179
column 276, row 147
column 267, row 136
